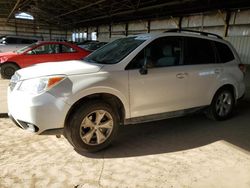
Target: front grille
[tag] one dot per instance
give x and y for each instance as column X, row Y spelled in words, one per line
column 14, row 79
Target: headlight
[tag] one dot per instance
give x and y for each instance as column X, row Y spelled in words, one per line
column 39, row 85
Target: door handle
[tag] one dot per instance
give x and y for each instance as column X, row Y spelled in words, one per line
column 181, row 75
column 217, row 71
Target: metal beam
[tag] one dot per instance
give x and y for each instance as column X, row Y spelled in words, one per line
column 130, row 11
column 81, row 8
column 13, row 10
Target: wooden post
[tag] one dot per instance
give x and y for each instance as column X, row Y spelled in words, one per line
column 149, row 26
column 110, row 26
column 126, row 29
column 15, row 27
column 87, row 30
column 180, row 22
column 50, row 33
column 97, row 32
column 228, row 15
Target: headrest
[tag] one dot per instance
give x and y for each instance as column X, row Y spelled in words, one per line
column 167, row 50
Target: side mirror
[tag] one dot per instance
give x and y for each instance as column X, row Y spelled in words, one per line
column 143, row 70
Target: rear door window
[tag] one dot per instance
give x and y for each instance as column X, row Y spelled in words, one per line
column 46, row 49
column 198, row 51
column 11, row 40
column 67, row 49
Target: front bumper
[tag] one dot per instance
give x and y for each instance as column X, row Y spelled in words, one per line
column 37, row 114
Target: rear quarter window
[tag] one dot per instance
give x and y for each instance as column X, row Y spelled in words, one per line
column 224, row 52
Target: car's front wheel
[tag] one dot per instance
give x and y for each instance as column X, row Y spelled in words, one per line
column 8, row 69
column 222, row 105
column 92, row 127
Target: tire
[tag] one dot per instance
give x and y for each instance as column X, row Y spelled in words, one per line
column 8, row 70
column 86, row 132
column 222, row 105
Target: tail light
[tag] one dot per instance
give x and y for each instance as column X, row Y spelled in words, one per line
column 243, row 68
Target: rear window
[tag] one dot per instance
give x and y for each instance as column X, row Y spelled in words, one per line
column 224, row 52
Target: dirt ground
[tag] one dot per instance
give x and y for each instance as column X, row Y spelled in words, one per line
column 191, row 151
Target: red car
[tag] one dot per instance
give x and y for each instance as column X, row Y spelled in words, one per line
column 39, row 52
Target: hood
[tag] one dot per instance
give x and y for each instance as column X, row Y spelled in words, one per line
column 4, row 56
column 54, row 68
column 7, row 54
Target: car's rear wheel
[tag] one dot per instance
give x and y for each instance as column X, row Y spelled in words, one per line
column 92, row 127
column 222, row 105
column 8, row 70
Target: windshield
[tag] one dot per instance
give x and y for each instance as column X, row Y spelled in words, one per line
column 115, row 51
column 25, row 48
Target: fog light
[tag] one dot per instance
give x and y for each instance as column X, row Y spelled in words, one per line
column 31, row 127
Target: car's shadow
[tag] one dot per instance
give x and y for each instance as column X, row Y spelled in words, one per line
column 179, row 134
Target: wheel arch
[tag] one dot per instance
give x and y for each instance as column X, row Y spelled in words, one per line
column 228, row 86
column 111, row 99
column 8, row 69
column 10, row 62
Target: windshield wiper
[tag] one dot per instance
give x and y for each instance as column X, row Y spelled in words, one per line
column 94, row 61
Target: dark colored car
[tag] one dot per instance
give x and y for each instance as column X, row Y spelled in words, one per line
column 94, row 46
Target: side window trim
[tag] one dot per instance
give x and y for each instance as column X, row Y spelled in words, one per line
column 216, row 53
column 182, row 46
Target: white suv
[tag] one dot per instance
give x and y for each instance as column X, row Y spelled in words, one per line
column 131, row 80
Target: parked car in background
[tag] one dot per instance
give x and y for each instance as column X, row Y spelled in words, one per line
column 12, row 43
column 128, row 81
column 92, row 46
column 39, row 52
column 86, row 42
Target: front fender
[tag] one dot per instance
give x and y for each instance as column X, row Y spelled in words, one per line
column 101, row 90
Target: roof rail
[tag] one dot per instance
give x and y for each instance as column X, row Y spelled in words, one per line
column 193, row 31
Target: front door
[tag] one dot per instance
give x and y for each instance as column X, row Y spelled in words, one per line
column 41, row 54
column 163, row 88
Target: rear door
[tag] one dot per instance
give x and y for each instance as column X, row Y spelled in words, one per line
column 68, row 53
column 202, row 68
